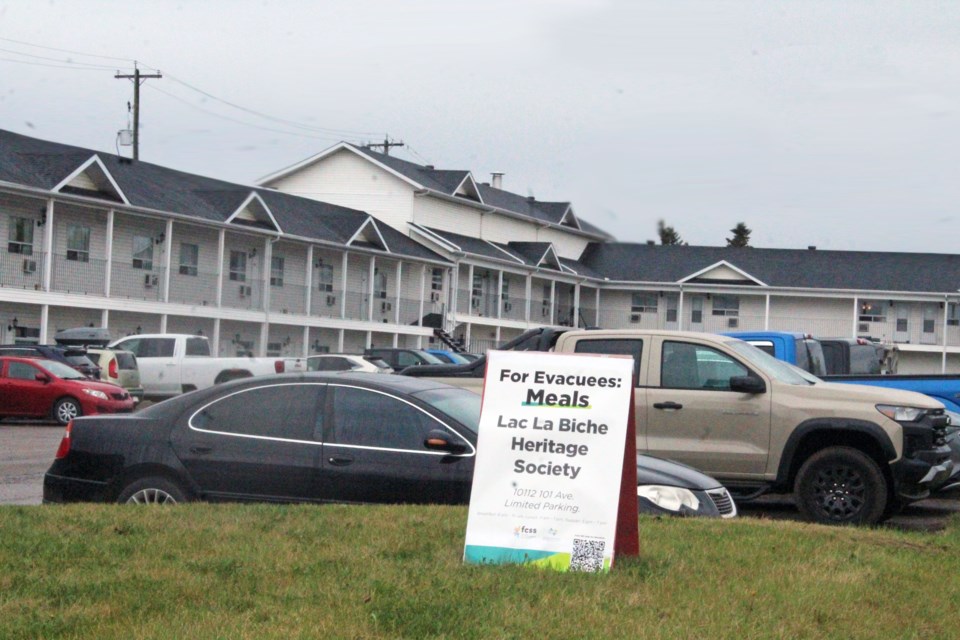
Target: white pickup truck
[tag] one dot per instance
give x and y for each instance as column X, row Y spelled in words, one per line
column 171, row 363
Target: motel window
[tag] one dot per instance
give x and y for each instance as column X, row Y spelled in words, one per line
column 78, row 243
column 143, row 252
column 238, row 266
column 189, row 259
column 20, row 239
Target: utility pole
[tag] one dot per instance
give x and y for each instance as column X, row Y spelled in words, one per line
column 138, row 79
column 386, row 144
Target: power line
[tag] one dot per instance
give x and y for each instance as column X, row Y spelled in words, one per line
column 234, row 120
column 55, row 66
column 327, row 133
column 291, row 123
column 79, row 53
column 69, row 62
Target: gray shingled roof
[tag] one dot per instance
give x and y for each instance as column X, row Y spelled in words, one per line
column 447, row 181
column 804, row 268
column 40, row 164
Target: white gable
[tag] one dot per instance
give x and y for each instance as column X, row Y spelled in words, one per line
column 723, row 271
column 369, row 234
column 255, row 211
column 92, row 175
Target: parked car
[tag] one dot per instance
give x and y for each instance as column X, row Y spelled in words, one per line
column 120, row 368
column 257, row 439
column 449, row 357
column 347, row 362
column 37, row 388
column 75, row 357
column 400, row 359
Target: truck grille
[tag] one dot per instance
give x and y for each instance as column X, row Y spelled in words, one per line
column 724, row 503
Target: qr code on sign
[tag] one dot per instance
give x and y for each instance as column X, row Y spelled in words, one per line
column 587, row 555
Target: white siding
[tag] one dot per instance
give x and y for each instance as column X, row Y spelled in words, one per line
column 567, row 245
column 824, row 317
column 348, row 180
column 449, row 216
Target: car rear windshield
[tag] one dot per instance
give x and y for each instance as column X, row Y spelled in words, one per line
column 377, row 362
column 126, row 361
column 80, row 361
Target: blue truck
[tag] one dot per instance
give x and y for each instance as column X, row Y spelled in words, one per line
column 839, row 360
column 800, row 349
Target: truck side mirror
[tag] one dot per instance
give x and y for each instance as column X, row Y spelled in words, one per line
column 747, row 384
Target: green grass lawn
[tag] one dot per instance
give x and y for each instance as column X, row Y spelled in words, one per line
column 236, row 571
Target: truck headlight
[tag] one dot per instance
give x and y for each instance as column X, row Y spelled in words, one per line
column 901, row 414
column 95, row 393
column 668, row 498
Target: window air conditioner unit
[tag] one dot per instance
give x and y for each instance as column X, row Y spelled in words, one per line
column 434, row 296
column 385, row 306
column 863, row 327
column 733, row 323
column 331, row 300
column 150, row 280
column 634, row 317
column 29, row 266
column 245, row 291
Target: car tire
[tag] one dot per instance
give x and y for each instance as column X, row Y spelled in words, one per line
column 153, row 490
column 841, row 485
column 66, row 409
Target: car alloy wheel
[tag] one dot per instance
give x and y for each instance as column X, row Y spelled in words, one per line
column 153, row 490
column 66, row 410
column 151, row 496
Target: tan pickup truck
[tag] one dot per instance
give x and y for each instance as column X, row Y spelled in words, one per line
column 849, row 453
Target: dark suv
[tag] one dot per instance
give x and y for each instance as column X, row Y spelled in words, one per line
column 75, row 357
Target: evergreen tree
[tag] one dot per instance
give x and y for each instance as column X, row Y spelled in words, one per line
column 668, row 235
column 741, row 236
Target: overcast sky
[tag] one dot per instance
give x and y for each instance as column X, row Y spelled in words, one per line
column 829, row 123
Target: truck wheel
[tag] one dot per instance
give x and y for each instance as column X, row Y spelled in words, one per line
column 66, row 409
column 233, row 374
column 153, row 490
column 841, row 485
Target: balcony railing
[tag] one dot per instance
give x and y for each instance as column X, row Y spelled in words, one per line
column 326, row 303
column 243, row 295
column 78, row 273
column 193, row 288
column 290, row 298
column 142, row 284
column 22, row 271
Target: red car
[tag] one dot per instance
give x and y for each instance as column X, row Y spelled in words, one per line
column 39, row 388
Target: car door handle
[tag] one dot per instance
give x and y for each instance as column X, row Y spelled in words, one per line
column 340, row 462
column 667, row 405
column 201, row 450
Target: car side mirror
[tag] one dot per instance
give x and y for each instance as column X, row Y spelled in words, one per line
column 42, row 377
column 747, row 384
column 440, row 440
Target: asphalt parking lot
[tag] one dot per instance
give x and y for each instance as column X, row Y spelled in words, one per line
column 27, row 449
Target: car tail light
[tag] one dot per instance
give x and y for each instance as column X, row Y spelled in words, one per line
column 64, row 447
column 112, row 369
column 278, row 366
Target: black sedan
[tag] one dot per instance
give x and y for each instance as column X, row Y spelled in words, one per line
column 315, row 437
